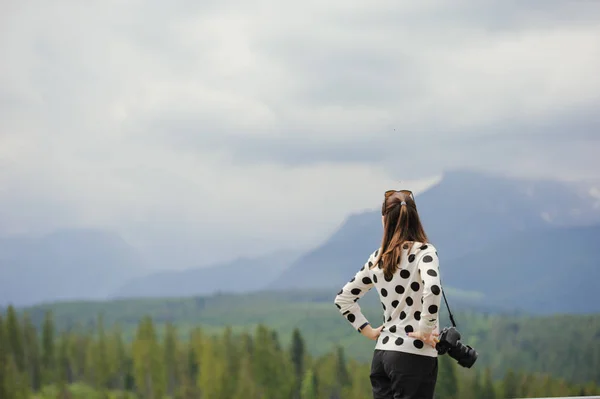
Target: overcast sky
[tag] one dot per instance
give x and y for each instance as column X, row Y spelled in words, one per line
column 241, row 125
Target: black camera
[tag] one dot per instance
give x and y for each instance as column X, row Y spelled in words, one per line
column 449, row 342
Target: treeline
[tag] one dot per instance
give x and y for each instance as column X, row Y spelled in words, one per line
column 159, row 363
column 534, row 343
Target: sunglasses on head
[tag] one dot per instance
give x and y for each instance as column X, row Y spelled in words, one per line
column 389, row 193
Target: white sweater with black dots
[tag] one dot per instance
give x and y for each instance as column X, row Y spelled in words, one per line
column 410, row 299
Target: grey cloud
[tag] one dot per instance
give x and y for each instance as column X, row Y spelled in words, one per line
column 170, row 107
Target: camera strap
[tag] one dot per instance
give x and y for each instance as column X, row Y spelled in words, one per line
column 448, row 306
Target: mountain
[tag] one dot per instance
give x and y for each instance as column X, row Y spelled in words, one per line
column 237, row 276
column 65, row 265
column 555, row 270
column 462, row 214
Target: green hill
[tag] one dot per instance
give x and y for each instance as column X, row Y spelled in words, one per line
column 562, row 345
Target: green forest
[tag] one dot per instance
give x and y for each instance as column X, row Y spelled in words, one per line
column 559, row 345
column 158, row 362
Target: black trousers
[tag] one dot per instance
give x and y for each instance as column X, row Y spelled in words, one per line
column 400, row 375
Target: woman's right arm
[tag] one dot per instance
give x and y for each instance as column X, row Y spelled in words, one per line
column 432, row 290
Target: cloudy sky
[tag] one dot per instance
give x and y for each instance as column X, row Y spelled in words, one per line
column 236, row 126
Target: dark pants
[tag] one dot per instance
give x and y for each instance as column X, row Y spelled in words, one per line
column 400, row 375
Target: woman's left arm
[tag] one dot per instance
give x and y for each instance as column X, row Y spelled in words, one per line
column 347, row 299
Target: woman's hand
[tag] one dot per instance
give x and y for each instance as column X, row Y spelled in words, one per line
column 371, row 333
column 429, row 339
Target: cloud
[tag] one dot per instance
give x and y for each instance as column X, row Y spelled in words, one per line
column 196, row 125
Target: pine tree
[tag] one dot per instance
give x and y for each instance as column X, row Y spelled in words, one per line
column 308, row 388
column 297, row 356
column 213, row 372
column 246, row 387
column 297, row 353
column 15, row 339
column 32, row 353
column 63, row 361
column 100, row 356
column 117, row 360
column 447, row 384
column 48, row 352
column 510, row 384
column 488, row 391
column 4, row 356
column 231, row 356
column 148, row 363
column 170, row 358
column 17, row 384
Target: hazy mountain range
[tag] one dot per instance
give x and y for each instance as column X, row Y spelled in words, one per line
column 65, row 265
column 534, row 245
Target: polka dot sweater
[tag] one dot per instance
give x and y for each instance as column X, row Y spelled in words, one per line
column 410, row 299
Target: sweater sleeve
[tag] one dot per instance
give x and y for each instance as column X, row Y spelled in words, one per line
column 346, row 300
column 432, row 290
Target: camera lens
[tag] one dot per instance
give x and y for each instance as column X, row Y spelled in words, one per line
column 463, row 354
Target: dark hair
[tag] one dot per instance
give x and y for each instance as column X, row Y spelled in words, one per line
column 401, row 228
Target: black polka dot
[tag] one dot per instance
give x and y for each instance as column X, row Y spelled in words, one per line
column 388, row 278
column 409, row 329
column 405, row 246
column 379, row 264
column 355, row 291
column 353, row 278
column 435, row 289
column 411, row 258
column 424, row 246
column 389, row 318
column 427, row 259
column 399, row 341
column 383, row 304
column 421, row 300
column 351, row 318
column 400, row 289
column 341, row 291
column 417, row 315
column 402, row 315
column 366, row 280
column 432, row 272
column 418, row 344
column 376, row 252
column 385, row 340
column 395, row 304
column 374, row 278
column 355, row 299
column 370, row 264
column 383, row 292
column 432, row 309
column 393, row 329
column 404, row 273
column 338, row 306
column 409, row 301
column 415, row 286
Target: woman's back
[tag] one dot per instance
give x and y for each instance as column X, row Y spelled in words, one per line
column 410, row 298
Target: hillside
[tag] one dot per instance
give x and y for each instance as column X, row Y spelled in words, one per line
column 502, row 340
column 65, row 265
column 546, row 271
column 465, row 215
column 239, row 275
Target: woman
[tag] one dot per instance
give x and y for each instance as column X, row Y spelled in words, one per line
column 404, row 270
